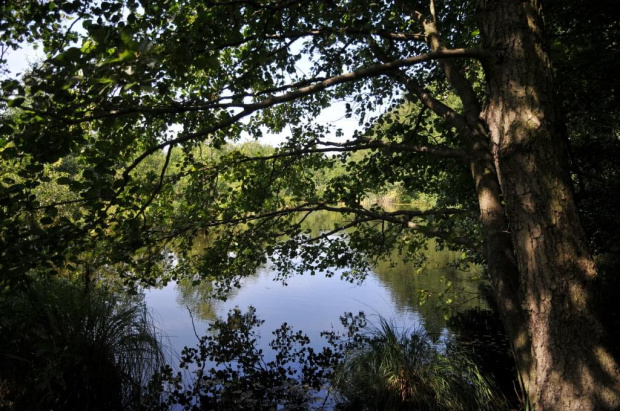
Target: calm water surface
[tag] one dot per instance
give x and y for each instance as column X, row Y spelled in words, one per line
column 394, row 290
column 315, row 303
column 309, row 303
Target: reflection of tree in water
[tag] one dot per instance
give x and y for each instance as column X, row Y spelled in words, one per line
column 322, row 221
column 444, row 287
column 198, row 299
column 437, row 281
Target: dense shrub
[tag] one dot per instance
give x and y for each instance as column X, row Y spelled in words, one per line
column 392, row 370
column 64, row 347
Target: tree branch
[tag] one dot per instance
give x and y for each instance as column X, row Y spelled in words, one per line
column 248, row 109
column 442, row 110
column 294, row 91
column 296, row 35
column 363, row 143
column 400, row 217
column 337, row 230
column 461, row 85
column 159, row 184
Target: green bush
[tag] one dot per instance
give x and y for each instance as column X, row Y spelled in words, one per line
column 65, row 347
column 228, row 370
column 389, row 370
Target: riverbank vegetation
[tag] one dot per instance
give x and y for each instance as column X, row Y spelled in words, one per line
column 123, row 163
column 392, row 369
column 369, row 367
column 66, row 347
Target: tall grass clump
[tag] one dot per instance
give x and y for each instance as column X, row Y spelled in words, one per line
column 66, row 347
column 392, row 370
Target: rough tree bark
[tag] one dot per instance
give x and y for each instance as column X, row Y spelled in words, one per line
column 501, row 262
column 571, row 368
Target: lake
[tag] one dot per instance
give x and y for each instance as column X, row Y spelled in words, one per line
column 393, row 290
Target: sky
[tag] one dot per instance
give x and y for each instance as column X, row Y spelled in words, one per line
column 19, row 60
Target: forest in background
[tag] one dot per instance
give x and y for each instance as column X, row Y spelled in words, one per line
column 122, row 145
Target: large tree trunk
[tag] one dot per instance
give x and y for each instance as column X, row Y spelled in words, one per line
column 572, row 368
column 501, row 262
column 499, row 253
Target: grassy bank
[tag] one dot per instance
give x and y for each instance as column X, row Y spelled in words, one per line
column 64, row 347
column 393, row 370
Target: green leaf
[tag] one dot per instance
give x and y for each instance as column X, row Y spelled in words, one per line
column 72, row 54
column 207, row 62
column 17, row 102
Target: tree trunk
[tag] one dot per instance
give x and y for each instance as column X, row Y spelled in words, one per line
column 572, row 368
column 499, row 253
column 501, row 262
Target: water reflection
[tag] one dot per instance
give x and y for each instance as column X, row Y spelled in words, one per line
column 313, row 304
column 197, row 299
column 435, row 290
column 309, row 303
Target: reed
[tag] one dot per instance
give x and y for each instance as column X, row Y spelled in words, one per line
column 62, row 347
column 394, row 370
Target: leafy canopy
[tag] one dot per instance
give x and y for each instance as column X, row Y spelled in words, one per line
column 121, row 146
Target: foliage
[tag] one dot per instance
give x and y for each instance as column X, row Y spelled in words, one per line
column 394, row 370
column 66, row 347
column 146, row 121
column 133, row 90
column 481, row 333
column 230, row 372
column 441, row 284
column 360, row 369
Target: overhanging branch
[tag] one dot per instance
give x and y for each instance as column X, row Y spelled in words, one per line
column 295, row 35
column 442, row 110
column 399, row 217
column 364, row 143
column 271, row 101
